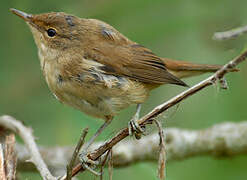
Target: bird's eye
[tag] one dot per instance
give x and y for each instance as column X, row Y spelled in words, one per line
column 51, row 32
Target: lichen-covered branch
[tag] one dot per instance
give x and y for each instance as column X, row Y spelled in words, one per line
column 222, row 140
column 26, row 135
column 7, row 155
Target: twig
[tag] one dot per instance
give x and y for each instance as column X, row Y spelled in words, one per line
column 230, row 34
column 26, row 134
column 103, row 164
column 162, row 152
column 75, row 154
column 110, row 165
column 163, row 107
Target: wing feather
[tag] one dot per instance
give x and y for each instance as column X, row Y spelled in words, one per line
column 135, row 62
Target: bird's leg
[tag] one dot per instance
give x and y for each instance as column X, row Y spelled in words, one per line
column 83, row 155
column 134, row 127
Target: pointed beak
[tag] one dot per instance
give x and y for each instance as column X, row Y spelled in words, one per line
column 23, row 15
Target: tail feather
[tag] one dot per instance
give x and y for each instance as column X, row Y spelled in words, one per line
column 182, row 69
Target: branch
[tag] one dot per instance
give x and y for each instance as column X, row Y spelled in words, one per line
column 26, row 134
column 222, row 140
column 148, row 118
column 7, row 155
column 233, row 33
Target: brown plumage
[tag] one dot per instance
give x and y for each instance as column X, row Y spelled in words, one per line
column 91, row 66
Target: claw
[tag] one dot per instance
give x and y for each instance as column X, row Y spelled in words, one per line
column 86, row 162
column 134, row 127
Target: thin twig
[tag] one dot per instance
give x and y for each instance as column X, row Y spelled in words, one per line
column 75, row 154
column 110, row 165
column 233, row 33
column 103, row 165
column 163, row 107
column 26, row 134
column 162, row 152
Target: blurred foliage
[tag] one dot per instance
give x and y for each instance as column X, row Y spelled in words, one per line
column 171, row 28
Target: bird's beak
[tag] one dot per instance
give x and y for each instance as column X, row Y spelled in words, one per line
column 23, row 15
column 28, row 18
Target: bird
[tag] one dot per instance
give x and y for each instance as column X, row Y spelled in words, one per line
column 91, row 66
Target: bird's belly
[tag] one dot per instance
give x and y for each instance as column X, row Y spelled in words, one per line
column 81, row 103
column 99, row 97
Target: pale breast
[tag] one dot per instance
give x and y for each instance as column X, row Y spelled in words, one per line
column 93, row 92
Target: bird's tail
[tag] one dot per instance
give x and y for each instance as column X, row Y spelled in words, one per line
column 182, row 69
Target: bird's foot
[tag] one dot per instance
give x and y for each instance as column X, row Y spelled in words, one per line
column 135, row 129
column 88, row 164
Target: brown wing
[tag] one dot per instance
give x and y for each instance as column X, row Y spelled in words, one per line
column 122, row 57
column 150, row 68
column 135, row 62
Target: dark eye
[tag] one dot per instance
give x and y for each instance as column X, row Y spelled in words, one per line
column 51, row 32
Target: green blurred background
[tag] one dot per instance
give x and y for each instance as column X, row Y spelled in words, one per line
column 171, row 28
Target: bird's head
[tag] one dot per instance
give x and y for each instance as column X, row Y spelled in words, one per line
column 55, row 30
